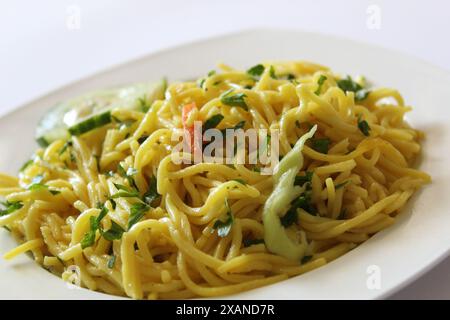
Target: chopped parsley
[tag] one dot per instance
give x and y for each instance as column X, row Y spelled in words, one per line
column 36, row 185
column 320, row 82
column 114, row 233
column 364, row 127
column 124, row 192
column 128, row 175
column 272, row 72
column 137, row 212
column 212, row 122
column 10, row 207
column 301, row 180
column 347, row 84
column 223, row 227
column 303, row 202
column 152, row 193
column 251, row 242
column 321, row 145
column 234, row 100
column 89, row 238
column 256, row 71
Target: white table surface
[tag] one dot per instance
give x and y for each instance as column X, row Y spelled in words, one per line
column 42, row 48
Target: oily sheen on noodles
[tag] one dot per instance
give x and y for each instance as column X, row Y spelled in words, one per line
column 110, row 205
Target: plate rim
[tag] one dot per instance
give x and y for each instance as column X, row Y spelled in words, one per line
column 249, row 31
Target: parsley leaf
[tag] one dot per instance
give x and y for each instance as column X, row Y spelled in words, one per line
column 128, row 175
column 348, row 84
column 320, row 82
column 152, row 193
column 36, row 185
column 212, row 122
column 272, row 72
column 301, row 180
column 235, row 100
column 321, row 145
column 223, row 227
column 137, row 212
column 124, row 192
column 303, row 202
column 89, row 238
column 115, row 233
column 290, row 217
column 251, row 242
column 256, row 71
column 364, row 127
column 10, row 207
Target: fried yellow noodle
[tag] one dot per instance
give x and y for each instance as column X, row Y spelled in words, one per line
column 112, row 202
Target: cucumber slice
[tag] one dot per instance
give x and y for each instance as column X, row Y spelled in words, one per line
column 91, row 111
column 90, row 123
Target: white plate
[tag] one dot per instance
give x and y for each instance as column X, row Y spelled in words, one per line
column 418, row 241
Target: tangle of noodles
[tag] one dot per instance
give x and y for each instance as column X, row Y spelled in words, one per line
column 168, row 246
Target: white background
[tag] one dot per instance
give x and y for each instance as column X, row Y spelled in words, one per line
column 38, row 52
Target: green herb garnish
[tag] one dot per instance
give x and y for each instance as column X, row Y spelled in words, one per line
column 364, row 127
column 128, row 175
column 152, row 193
column 256, row 71
column 321, row 145
column 114, row 233
column 272, row 72
column 137, row 212
column 303, row 202
column 320, row 82
column 89, row 238
column 301, row 180
column 251, row 242
column 348, row 84
column 235, row 100
column 124, row 192
column 10, row 207
column 223, row 227
column 212, row 122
